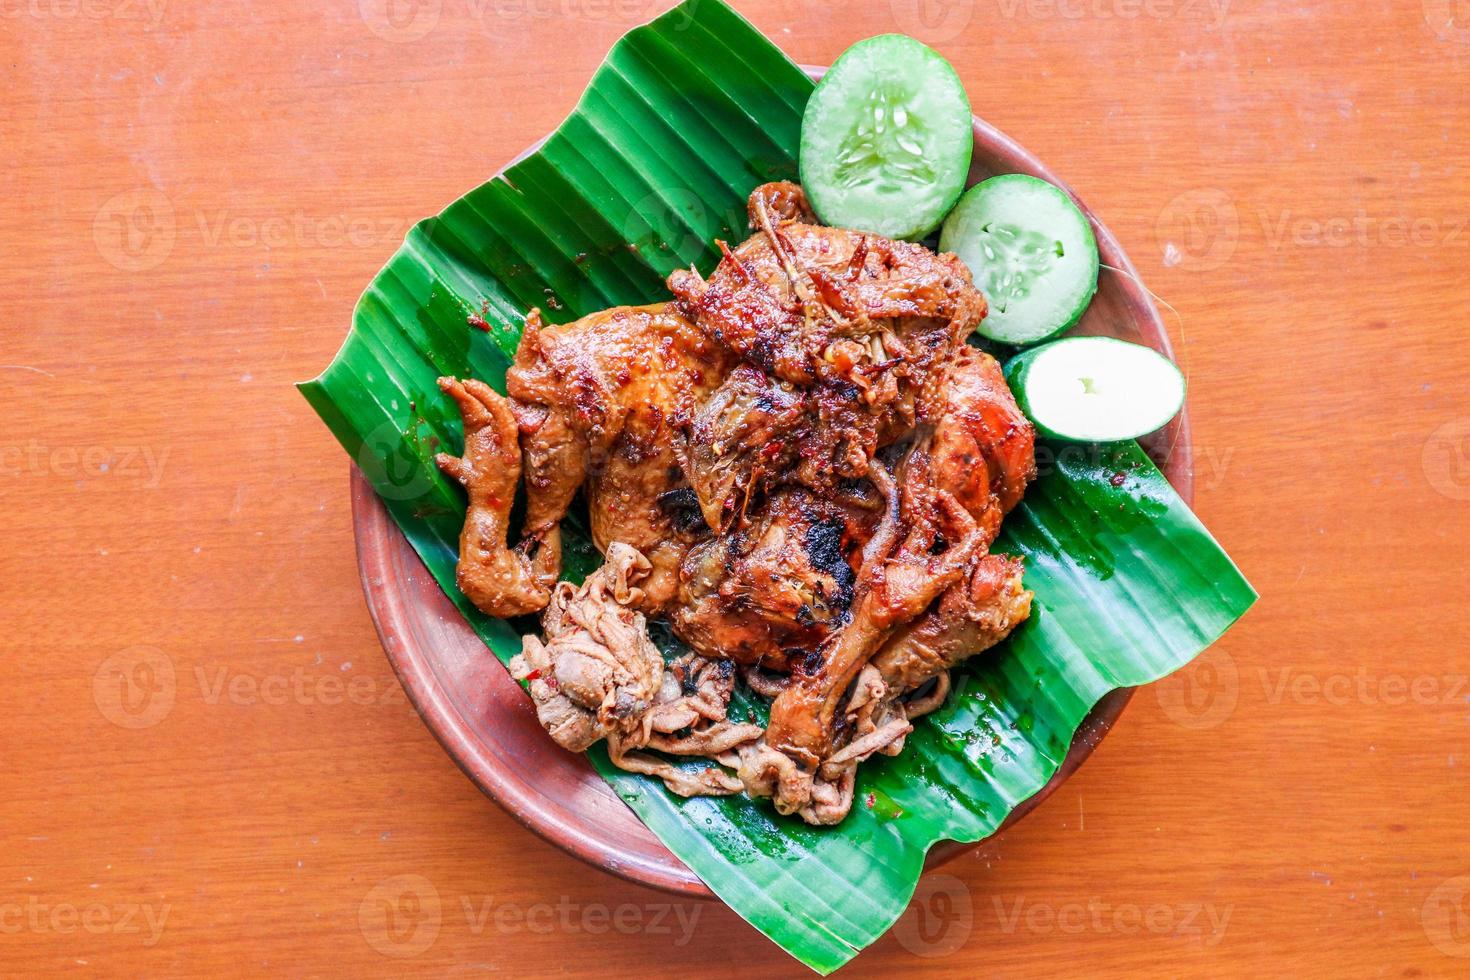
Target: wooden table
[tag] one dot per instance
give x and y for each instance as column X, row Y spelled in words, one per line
column 208, row 766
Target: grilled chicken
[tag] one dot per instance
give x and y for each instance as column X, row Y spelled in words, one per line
column 800, row 463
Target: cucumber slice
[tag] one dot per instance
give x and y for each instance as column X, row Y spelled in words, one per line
column 886, row 139
column 1031, row 252
column 1095, row 389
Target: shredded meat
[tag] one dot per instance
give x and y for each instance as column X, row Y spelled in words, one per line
column 598, row 675
column 800, row 464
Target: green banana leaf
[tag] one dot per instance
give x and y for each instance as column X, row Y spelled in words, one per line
column 686, row 116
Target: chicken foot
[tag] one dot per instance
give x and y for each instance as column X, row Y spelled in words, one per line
column 500, row 580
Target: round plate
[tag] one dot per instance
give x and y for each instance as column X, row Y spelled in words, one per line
column 486, row 722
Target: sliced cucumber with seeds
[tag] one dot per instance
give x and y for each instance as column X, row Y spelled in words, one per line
column 1031, row 252
column 886, row 139
column 1095, row 389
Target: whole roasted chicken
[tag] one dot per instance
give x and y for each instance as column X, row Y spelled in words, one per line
column 799, row 464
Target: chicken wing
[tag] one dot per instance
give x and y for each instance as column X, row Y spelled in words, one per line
column 971, row 617
column 984, row 447
column 597, row 401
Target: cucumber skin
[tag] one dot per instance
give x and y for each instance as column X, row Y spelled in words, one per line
column 1091, row 240
column 1030, row 345
column 1015, row 372
column 814, row 191
column 1017, row 368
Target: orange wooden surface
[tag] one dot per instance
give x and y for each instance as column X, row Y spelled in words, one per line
column 206, row 765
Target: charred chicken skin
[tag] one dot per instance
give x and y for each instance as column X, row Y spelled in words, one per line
column 773, row 588
column 799, row 463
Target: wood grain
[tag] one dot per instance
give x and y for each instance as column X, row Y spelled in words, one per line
column 207, row 765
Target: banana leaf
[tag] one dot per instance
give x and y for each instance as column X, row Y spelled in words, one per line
column 686, row 116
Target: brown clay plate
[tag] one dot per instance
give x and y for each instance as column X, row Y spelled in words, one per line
column 485, row 721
